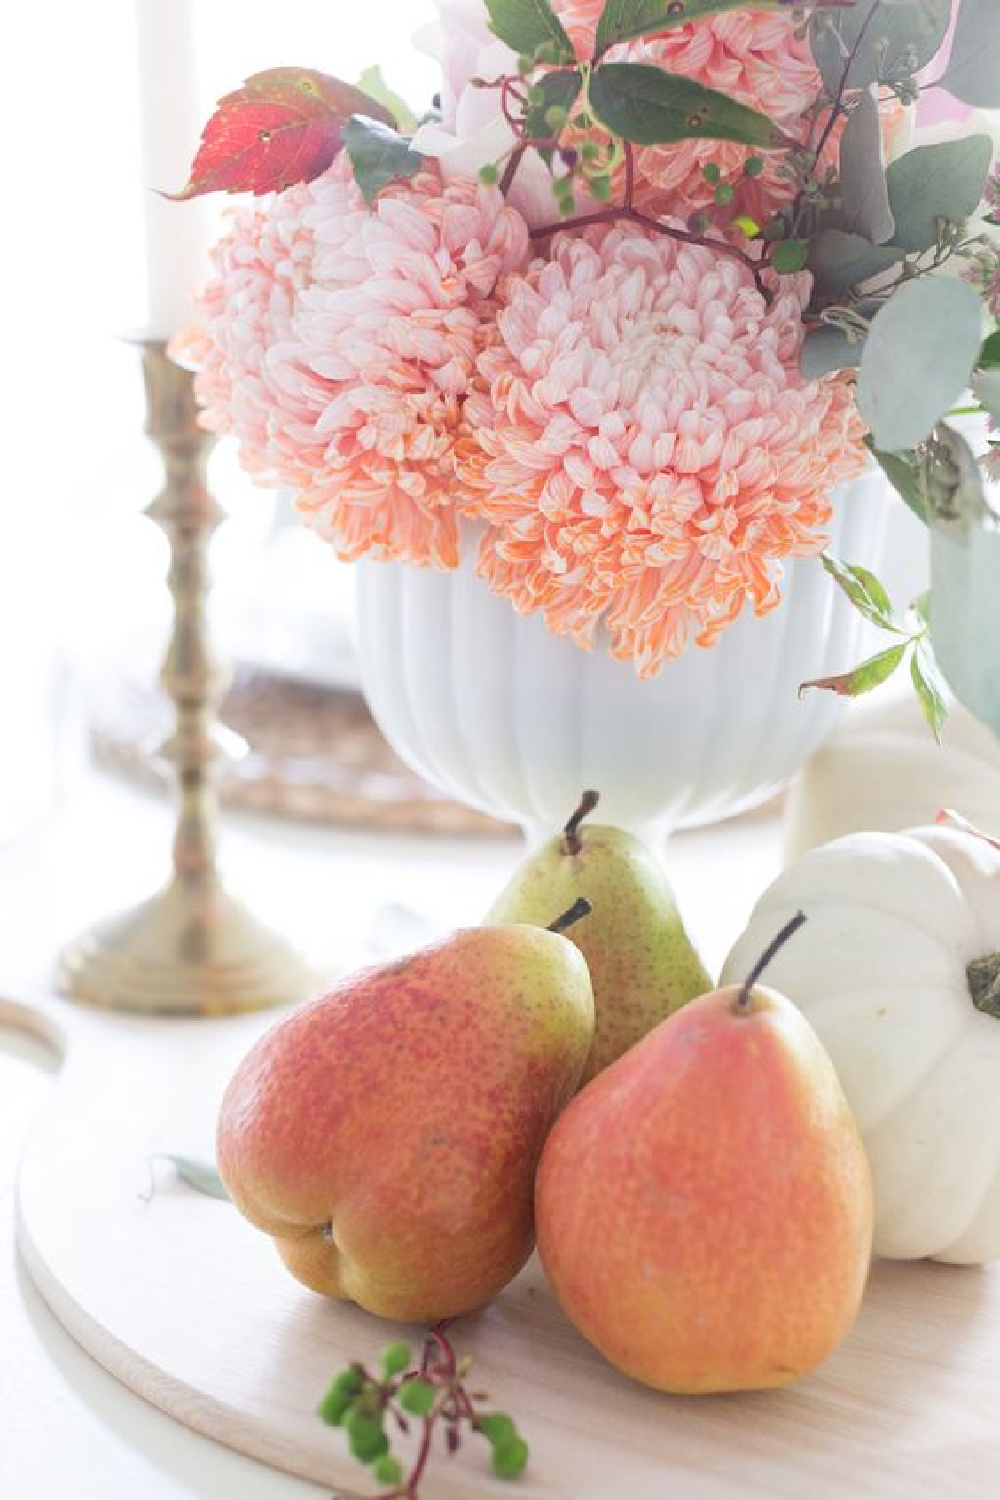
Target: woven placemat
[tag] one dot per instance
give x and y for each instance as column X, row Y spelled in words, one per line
column 314, row 753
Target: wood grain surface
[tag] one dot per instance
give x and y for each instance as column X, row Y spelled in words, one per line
column 188, row 1306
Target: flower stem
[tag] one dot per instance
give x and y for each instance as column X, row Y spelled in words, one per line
column 633, row 215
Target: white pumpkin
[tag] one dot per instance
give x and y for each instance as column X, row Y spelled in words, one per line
column 883, row 769
column 881, row 970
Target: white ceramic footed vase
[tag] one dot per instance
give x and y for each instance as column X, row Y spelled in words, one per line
column 496, row 711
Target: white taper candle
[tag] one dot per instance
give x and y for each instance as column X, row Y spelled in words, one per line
column 171, row 116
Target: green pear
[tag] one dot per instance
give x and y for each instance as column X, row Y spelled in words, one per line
column 642, row 963
column 386, row 1135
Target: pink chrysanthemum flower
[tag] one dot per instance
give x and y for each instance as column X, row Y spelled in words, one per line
column 754, row 57
column 643, row 445
column 343, row 376
column 258, row 268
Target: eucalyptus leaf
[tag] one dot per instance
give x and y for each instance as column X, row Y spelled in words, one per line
column 973, row 72
column 623, row 19
column 965, row 617
column 526, row 25
column 863, row 186
column 200, row 1175
column 826, row 349
column 863, row 678
column 839, row 259
column 903, row 472
column 887, row 40
column 934, row 183
column 647, row 106
column 929, row 686
column 379, row 154
column 918, row 359
column 986, row 389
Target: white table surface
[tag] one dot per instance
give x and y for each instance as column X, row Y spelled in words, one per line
column 67, row 1430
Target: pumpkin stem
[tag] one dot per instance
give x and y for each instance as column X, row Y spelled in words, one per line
column 983, row 976
column 742, row 1005
column 572, row 843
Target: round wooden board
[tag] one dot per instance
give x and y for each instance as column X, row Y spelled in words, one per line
column 190, row 1307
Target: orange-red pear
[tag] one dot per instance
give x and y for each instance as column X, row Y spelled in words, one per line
column 387, row 1134
column 704, row 1206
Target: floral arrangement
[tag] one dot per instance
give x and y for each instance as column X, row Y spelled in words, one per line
column 645, row 283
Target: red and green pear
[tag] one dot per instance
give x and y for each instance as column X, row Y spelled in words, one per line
column 387, row 1134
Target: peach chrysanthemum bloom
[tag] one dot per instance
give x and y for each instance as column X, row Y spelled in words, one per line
column 754, row 57
column 643, row 446
column 343, row 377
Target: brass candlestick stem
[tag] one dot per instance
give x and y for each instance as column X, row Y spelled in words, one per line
column 192, row 949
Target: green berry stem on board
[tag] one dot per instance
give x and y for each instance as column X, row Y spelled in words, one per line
column 431, row 1391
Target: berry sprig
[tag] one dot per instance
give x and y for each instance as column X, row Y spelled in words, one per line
column 433, row 1393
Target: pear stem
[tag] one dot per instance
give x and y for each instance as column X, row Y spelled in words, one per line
column 572, row 843
column 742, row 1003
column 581, row 908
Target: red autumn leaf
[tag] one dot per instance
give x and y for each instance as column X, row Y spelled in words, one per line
column 283, row 126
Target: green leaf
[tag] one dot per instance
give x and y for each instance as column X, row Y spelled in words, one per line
column 934, row 183
column 496, row 1427
column 885, row 46
column 863, row 186
column 918, row 359
column 558, row 90
column 839, row 259
column 903, row 472
column 930, row 687
column 826, row 349
column 863, row 589
column 648, row 106
column 526, row 25
column 865, row 677
column 416, row 1396
column 789, row 256
column 965, row 615
column 388, row 1470
column 510, row 1458
column 973, row 73
column 374, row 85
column 989, row 354
column 365, row 1437
column 340, row 1397
column 624, row 19
column 379, row 154
column 396, row 1358
column 200, row 1175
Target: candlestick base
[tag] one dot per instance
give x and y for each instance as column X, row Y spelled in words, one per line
column 185, row 952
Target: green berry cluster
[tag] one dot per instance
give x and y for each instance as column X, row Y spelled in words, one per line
column 787, row 255
column 433, row 1393
column 510, row 1451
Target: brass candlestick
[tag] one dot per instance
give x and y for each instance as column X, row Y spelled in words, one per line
column 191, row 949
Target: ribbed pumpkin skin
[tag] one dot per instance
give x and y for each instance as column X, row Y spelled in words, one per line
column 879, row 970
